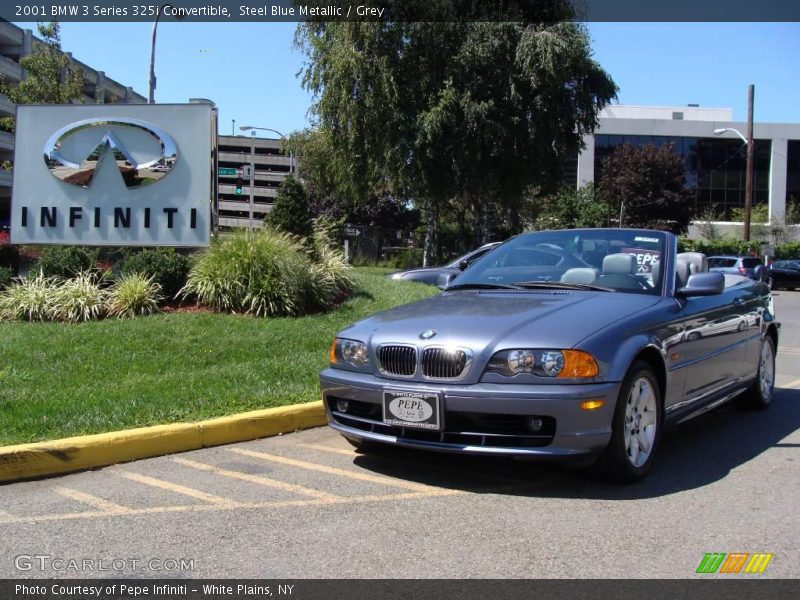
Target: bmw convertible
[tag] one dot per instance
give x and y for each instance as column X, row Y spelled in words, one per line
column 574, row 344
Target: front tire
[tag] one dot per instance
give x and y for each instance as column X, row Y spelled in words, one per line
column 635, row 429
column 759, row 394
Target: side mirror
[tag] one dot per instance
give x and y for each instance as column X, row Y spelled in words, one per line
column 445, row 279
column 703, row 284
column 463, row 264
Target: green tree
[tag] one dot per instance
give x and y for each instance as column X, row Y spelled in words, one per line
column 570, row 208
column 646, row 186
column 49, row 77
column 459, row 112
column 290, row 212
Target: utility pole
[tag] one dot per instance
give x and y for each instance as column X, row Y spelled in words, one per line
column 748, row 185
column 252, row 177
column 233, row 126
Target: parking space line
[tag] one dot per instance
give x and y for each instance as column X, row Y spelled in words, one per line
column 174, row 487
column 93, row 501
column 260, row 480
column 509, row 480
column 343, row 451
column 301, row 464
column 232, row 506
column 792, row 384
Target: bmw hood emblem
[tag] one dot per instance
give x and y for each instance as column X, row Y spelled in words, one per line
column 427, row 334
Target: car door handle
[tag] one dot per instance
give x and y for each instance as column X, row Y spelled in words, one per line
column 738, row 302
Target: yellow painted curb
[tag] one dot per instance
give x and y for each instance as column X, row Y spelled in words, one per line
column 26, row 461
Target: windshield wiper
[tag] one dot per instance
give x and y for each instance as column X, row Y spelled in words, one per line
column 563, row 285
column 480, row 286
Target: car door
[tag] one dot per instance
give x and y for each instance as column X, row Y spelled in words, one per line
column 713, row 348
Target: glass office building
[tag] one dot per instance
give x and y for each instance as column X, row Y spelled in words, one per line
column 714, row 163
column 715, row 168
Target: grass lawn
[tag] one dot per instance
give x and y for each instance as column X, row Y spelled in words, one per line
column 59, row 380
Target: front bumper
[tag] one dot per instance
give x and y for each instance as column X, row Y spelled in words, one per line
column 483, row 418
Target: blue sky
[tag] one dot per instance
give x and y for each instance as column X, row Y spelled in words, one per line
column 250, row 69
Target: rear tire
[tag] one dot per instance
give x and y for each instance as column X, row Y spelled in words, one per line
column 635, row 428
column 759, row 394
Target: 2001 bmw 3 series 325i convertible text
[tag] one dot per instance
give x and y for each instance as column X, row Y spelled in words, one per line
column 574, row 343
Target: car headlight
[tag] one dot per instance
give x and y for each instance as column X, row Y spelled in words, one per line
column 348, row 351
column 544, row 363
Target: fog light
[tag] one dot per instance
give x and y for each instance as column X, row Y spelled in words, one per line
column 342, row 405
column 535, row 424
column 592, row 404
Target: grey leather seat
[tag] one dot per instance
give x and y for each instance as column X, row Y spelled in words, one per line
column 580, row 275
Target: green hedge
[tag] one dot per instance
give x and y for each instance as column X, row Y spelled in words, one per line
column 168, row 268
column 737, row 247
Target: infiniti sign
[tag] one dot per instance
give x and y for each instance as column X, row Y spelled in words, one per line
column 114, row 174
column 135, row 172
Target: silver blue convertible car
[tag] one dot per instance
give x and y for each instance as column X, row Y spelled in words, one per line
column 557, row 344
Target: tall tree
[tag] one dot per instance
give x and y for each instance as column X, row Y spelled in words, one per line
column 290, row 212
column 470, row 112
column 647, row 186
column 49, row 78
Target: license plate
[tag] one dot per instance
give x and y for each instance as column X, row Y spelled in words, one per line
column 412, row 409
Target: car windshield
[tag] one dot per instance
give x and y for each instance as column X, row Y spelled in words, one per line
column 614, row 260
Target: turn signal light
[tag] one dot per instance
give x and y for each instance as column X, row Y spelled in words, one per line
column 332, row 353
column 592, row 404
column 578, row 364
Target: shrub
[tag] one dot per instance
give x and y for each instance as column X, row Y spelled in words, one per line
column 290, row 212
column 134, row 294
column 789, row 250
column 9, row 258
column 715, row 247
column 78, row 299
column 66, row 261
column 29, row 300
column 6, row 274
column 167, row 268
column 263, row 273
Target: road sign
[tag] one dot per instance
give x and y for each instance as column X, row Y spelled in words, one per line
column 226, row 172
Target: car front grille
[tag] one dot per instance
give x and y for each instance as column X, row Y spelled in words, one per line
column 443, row 363
column 398, row 360
column 460, row 428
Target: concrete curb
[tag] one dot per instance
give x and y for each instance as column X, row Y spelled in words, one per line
column 26, row 461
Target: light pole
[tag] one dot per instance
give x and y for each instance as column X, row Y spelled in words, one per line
column 748, row 141
column 152, row 95
column 283, row 137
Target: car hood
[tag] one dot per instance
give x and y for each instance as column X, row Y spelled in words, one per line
column 491, row 320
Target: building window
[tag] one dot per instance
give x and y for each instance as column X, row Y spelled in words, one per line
column 793, row 181
column 714, row 168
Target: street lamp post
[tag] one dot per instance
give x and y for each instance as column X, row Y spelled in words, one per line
column 283, row 137
column 748, row 141
column 152, row 95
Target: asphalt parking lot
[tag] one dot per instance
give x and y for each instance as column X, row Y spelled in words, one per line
column 306, row 505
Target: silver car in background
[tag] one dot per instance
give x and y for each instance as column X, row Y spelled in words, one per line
column 557, row 344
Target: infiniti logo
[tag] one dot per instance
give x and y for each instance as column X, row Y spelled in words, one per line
column 66, row 161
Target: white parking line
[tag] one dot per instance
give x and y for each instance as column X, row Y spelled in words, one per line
column 259, row 479
column 92, row 501
column 409, row 485
column 174, row 487
column 792, row 384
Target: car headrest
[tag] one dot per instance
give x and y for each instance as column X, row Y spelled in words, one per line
column 682, row 272
column 619, row 264
column 656, row 271
column 580, row 275
column 698, row 263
